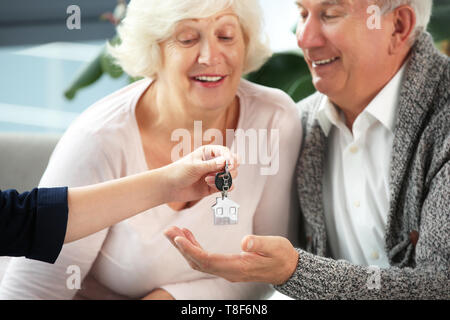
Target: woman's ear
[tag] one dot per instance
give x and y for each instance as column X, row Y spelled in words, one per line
column 404, row 20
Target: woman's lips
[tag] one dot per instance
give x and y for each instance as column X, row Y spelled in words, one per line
column 209, row 81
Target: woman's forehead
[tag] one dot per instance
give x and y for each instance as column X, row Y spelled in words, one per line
column 227, row 14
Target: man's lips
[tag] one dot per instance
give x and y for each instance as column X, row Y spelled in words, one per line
column 322, row 62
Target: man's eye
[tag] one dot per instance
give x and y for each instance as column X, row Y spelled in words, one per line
column 330, row 15
column 225, row 38
column 303, row 15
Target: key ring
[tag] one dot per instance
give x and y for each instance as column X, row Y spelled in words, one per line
column 223, row 181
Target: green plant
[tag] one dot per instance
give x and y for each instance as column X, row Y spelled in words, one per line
column 284, row 70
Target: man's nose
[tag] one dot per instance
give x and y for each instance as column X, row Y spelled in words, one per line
column 309, row 34
column 209, row 53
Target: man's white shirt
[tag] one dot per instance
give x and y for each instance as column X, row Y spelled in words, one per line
column 356, row 177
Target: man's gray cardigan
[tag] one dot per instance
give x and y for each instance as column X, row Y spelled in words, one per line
column 417, row 238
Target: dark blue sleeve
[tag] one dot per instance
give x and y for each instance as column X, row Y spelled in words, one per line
column 33, row 224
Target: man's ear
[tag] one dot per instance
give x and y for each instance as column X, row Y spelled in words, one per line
column 404, row 20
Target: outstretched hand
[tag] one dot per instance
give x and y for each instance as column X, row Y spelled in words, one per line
column 267, row 259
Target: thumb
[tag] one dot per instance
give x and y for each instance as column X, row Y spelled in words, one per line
column 210, row 166
column 265, row 245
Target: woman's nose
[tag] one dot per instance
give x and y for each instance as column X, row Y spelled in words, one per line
column 309, row 34
column 209, row 53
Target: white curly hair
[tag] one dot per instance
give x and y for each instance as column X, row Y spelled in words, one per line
column 422, row 8
column 149, row 22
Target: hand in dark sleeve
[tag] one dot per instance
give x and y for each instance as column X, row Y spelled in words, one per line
column 33, row 224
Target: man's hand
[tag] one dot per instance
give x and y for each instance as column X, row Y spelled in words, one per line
column 263, row 259
column 192, row 177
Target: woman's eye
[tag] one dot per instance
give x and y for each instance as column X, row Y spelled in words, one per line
column 225, row 38
column 186, row 41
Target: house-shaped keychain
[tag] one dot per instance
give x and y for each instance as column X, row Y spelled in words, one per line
column 225, row 211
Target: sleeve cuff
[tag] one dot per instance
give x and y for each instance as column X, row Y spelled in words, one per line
column 51, row 224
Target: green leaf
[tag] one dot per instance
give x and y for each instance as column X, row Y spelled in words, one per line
column 108, row 63
column 439, row 25
column 284, row 71
column 109, row 66
column 301, row 88
column 134, row 79
column 91, row 72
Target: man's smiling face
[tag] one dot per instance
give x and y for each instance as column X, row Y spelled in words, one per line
column 344, row 55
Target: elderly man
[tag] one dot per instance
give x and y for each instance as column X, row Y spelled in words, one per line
column 373, row 174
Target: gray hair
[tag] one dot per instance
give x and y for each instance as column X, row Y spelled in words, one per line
column 422, row 8
column 150, row 22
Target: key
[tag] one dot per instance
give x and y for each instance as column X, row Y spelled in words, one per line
column 223, row 180
column 225, row 210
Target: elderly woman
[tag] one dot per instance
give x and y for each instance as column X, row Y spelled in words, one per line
column 192, row 55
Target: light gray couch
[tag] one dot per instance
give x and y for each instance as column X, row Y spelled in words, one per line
column 23, row 159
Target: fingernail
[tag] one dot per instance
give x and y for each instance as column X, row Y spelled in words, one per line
column 220, row 160
column 177, row 242
column 249, row 244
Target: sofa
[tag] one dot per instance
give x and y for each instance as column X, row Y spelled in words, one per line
column 23, row 159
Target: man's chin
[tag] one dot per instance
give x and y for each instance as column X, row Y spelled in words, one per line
column 324, row 86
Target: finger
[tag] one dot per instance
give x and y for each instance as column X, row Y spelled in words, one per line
column 265, row 245
column 234, row 173
column 190, row 236
column 210, row 180
column 173, row 232
column 191, row 252
column 214, row 151
column 227, row 266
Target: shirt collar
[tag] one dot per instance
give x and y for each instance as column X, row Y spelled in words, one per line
column 327, row 115
column 383, row 107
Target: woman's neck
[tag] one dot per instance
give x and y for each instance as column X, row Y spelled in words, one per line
column 162, row 112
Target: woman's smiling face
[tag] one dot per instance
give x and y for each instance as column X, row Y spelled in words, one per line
column 204, row 59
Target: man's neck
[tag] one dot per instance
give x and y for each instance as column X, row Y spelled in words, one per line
column 352, row 104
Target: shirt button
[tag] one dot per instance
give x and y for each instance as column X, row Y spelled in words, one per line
column 375, row 255
column 354, row 149
column 357, row 204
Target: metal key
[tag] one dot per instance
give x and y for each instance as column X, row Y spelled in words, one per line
column 224, row 181
column 225, row 210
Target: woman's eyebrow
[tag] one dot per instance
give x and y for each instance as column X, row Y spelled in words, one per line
column 217, row 18
column 226, row 15
column 324, row 3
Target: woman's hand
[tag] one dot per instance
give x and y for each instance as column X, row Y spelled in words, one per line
column 158, row 294
column 192, row 177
